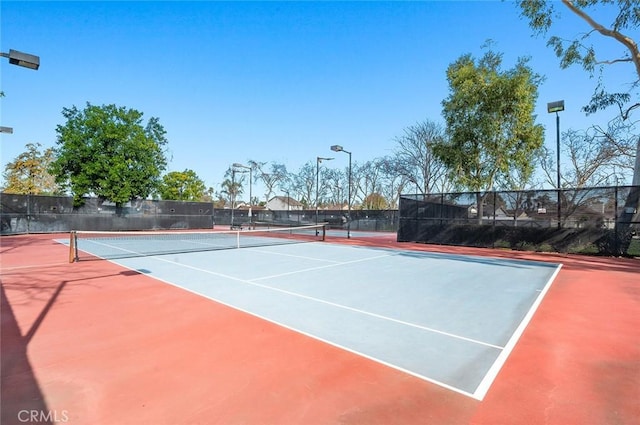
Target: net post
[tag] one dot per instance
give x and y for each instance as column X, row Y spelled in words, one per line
column 73, row 247
column 324, row 231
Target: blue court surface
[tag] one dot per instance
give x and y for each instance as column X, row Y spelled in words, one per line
column 448, row 319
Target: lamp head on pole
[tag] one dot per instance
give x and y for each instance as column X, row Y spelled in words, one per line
column 338, row 148
column 320, row 159
column 22, row 59
column 555, row 106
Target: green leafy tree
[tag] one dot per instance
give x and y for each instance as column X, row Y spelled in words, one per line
column 581, row 51
column 106, row 151
column 29, row 173
column 182, row 186
column 489, row 115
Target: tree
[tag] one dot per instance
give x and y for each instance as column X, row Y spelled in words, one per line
column 231, row 187
column 580, row 51
column 29, row 173
column 393, row 183
column 182, row 186
column 337, row 184
column 593, row 159
column 273, row 176
column 367, row 179
column 304, row 184
column 374, row 201
column 490, row 122
column 415, row 159
column 209, row 195
column 106, row 151
column 620, row 137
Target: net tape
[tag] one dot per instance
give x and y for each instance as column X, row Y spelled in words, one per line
column 112, row 245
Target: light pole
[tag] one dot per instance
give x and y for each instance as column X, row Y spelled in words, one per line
column 237, row 165
column 338, row 148
column 25, row 60
column 233, row 193
column 21, row 59
column 288, row 205
column 556, row 107
column 319, row 159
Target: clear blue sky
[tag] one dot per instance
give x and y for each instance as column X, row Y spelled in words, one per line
column 268, row 81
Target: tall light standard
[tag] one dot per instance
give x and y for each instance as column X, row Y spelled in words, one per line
column 237, row 165
column 556, row 107
column 338, row 148
column 233, row 194
column 319, row 159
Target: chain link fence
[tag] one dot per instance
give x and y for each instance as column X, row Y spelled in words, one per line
column 51, row 214
column 601, row 220
column 48, row 214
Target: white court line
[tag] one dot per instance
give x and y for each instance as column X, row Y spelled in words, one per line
column 302, row 257
column 480, row 391
column 310, row 335
column 491, row 374
column 363, row 312
column 334, row 264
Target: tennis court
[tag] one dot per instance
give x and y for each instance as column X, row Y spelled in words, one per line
column 451, row 320
column 423, row 330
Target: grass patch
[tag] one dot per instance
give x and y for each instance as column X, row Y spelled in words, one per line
column 634, row 248
column 500, row 243
column 545, row 247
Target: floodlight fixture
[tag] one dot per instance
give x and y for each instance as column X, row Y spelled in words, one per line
column 25, row 60
column 7, row 130
column 557, row 106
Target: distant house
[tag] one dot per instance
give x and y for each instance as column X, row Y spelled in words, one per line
column 283, row 203
column 254, row 208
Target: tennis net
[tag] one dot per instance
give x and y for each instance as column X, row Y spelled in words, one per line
column 115, row 244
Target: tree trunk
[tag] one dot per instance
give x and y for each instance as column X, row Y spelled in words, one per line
column 636, row 168
column 629, row 218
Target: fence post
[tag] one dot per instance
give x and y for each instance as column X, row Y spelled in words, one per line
column 493, row 230
column 559, row 208
column 616, row 238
